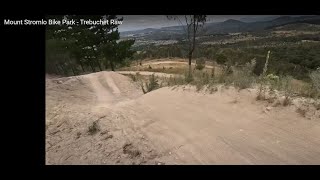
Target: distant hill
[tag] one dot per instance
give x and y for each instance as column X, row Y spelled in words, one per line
column 291, row 20
column 228, row 26
column 299, row 27
column 231, row 26
column 257, row 19
column 143, row 31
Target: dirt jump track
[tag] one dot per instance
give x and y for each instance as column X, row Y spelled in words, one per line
column 170, row 126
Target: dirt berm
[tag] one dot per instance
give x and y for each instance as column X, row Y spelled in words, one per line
column 104, row 118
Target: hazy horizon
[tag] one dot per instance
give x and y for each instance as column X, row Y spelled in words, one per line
column 138, row 22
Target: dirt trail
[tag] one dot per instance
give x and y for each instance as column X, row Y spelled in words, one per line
column 169, row 62
column 172, row 62
column 147, row 73
column 171, row 126
column 228, row 128
column 104, row 87
column 103, row 94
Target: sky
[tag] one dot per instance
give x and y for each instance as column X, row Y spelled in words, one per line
column 136, row 22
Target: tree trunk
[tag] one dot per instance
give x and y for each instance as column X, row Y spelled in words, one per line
column 81, row 66
column 72, row 68
column 58, row 70
column 193, row 44
column 106, row 65
column 65, row 72
column 194, row 35
column 99, row 65
column 190, row 56
column 112, row 67
column 96, row 58
column 92, row 68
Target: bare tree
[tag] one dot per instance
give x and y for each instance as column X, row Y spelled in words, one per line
column 191, row 27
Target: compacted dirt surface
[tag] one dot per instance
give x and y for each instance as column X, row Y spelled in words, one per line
column 104, row 118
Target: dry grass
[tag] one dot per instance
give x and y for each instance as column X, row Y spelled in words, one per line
column 93, row 128
column 200, row 64
column 301, row 111
column 286, row 101
column 261, row 95
column 78, row 135
column 317, row 105
column 235, row 101
column 132, row 151
column 240, row 77
column 315, row 77
column 151, row 85
column 213, row 89
column 135, row 77
column 170, row 68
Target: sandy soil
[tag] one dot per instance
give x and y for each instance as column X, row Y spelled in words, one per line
column 174, row 62
column 171, row 125
column 147, row 73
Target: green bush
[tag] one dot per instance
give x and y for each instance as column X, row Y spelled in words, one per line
column 221, row 59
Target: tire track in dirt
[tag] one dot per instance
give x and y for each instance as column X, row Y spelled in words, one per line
column 174, row 127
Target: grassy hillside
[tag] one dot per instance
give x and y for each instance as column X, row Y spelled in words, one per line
column 295, row 49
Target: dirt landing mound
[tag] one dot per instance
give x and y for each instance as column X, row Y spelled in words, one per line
column 103, row 118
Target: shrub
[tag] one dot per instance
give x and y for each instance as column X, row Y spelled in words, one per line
column 151, row 85
column 315, row 79
column 286, row 101
column 259, row 66
column 317, row 105
column 213, row 89
column 213, row 72
column 188, row 77
column 175, row 81
column 200, row 79
column 222, row 78
column 243, row 77
column 129, row 149
column 200, row 64
column 286, row 87
column 273, row 81
column 205, row 78
column 221, row 59
column 94, row 128
column 133, row 77
column 242, row 80
column 263, row 80
column 301, row 111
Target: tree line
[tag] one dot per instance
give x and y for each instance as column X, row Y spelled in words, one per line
column 84, row 48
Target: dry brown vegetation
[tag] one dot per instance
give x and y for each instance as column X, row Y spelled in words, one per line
column 241, row 77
